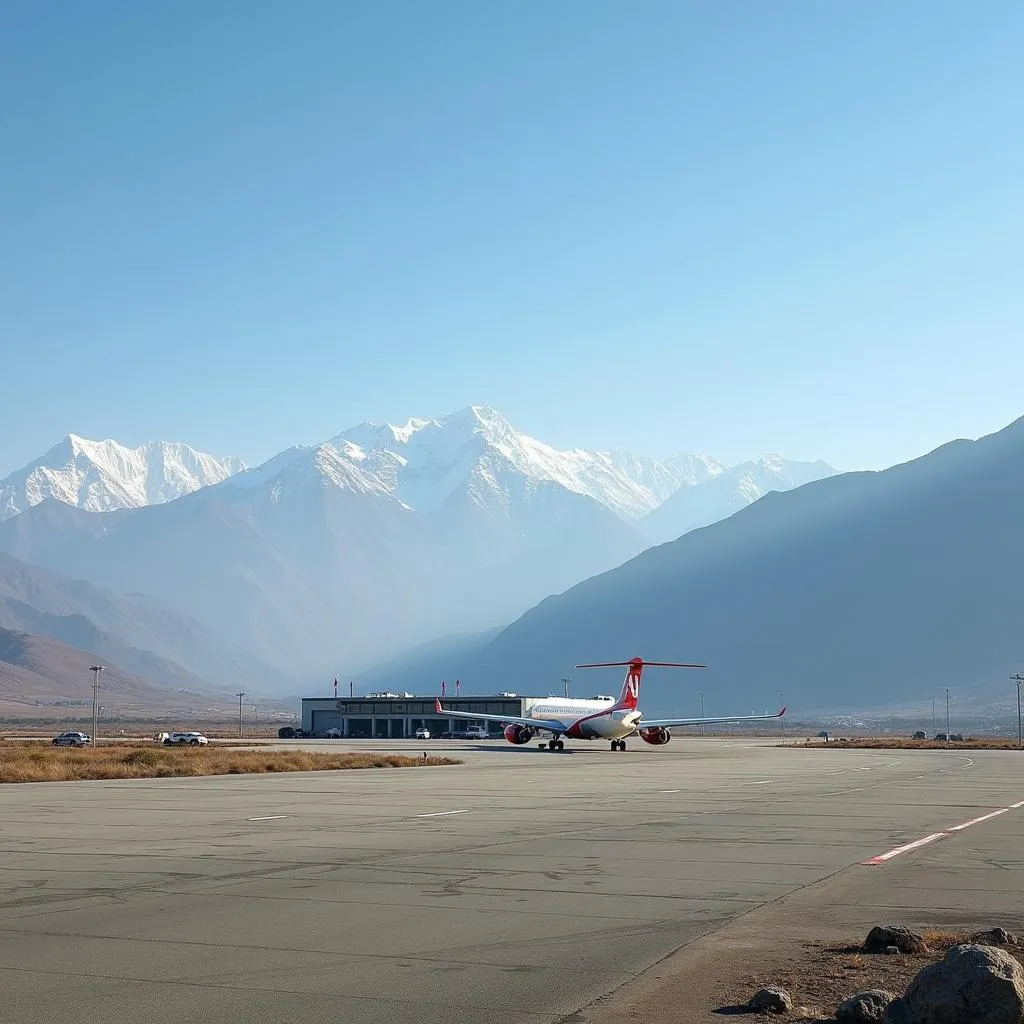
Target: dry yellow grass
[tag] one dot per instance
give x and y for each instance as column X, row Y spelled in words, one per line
column 62, row 764
column 883, row 743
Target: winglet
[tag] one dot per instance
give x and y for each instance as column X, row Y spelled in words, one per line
column 437, row 707
column 781, row 713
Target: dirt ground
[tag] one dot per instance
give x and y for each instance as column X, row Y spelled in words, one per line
column 823, row 974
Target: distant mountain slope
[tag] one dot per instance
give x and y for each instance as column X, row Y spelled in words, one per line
column 137, row 632
column 105, row 475
column 848, row 592
column 690, row 508
column 334, row 557
column 39, row 675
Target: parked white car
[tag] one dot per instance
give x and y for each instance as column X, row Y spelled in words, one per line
column 192, row 739
column 72, row 739
column 422, row 734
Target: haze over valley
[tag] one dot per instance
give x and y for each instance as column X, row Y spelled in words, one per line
column 332, row 557
column 459, row 547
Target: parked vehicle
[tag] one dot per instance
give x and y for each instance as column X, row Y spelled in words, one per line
column 71, row 739
column 290, row 732
column 422, row 734
column 192, row 739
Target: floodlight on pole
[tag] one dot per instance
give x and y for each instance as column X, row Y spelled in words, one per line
column 95, row 670
column 1018, row 679
column 947, row 716
column 240, row 697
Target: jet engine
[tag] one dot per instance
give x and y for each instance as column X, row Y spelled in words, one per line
column 656, row 736
column 518, row 734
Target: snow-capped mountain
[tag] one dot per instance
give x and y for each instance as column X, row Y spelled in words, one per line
column 426, row 461
column 690, row 508
column 359, row 547
column 103, row 475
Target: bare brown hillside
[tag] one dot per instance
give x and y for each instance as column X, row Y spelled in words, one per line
column 40, row 676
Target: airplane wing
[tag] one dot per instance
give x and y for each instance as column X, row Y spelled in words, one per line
column 530, row 723
column 665, row 723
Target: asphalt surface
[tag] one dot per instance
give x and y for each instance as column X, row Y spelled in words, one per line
column 520, row 886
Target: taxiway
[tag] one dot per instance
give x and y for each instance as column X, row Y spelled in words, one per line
column 520, row 886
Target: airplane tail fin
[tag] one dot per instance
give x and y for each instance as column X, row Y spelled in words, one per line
column 629, row 697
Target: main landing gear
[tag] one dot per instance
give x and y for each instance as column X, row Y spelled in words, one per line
column 552, row 744
column 618, row 744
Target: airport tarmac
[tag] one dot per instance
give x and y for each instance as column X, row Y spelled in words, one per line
column 520, row 886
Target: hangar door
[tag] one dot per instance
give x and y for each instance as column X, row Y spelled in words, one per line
column 324, row 720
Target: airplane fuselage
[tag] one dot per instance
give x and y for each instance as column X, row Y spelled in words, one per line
column 592, row 719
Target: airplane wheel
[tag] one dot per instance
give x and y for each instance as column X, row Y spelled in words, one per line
column 561, row 745
column 615, row 744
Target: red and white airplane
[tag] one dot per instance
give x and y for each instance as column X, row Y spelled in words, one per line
column 601, row 718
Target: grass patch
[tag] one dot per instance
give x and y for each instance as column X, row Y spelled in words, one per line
column 64, row 764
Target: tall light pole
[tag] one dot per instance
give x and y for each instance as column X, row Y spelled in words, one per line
column 565, row 684
column 947, row 716
column 95, row 670
column 1018, row 679
column 702, row 713
column 240, row 697
column 783, row 718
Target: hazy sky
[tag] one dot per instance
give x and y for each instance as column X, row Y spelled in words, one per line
column 721, row 226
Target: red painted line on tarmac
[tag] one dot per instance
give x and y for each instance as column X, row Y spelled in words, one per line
column 889, row 854
column 883, row 857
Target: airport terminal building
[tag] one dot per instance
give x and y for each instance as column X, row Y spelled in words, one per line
column 398, row 716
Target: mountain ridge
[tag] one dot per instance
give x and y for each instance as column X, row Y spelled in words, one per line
column 106, row 475
column 845, row 592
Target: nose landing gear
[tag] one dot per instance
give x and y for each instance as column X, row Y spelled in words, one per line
column 618, row 744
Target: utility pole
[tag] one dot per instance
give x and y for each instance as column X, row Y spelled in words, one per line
column 702, row 713
column 933, row 716
column 95, row 670
column 782, row 720
column 240, row 697
column 947, row 716
column 1018, row 679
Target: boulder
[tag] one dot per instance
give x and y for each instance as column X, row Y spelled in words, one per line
column 865, row 1006
column 897, row 1013
column 971, row 985
column 771, row 1000
column 996, row 937
column 906, row 941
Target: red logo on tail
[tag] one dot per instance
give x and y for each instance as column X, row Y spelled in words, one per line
column 631, row 686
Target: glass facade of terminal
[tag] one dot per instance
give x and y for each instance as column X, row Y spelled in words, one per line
column 399, row 718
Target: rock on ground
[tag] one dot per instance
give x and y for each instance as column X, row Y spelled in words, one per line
column 996, row 937
column 772, row 1000
column 865, row 1006
column 972, row 984
column 902, row 938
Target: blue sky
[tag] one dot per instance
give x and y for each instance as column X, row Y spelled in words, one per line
column 720, row 226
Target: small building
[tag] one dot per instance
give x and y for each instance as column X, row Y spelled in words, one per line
column 397, row 717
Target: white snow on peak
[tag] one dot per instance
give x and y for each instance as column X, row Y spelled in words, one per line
column 302, row 466
column 103, row 475
column 426, row 461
